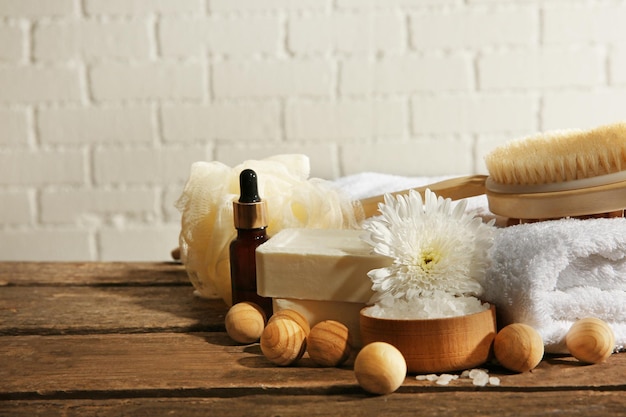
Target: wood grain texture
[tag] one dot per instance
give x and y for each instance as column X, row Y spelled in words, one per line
column 109, row 309
column 428, row 404
column 133, row 339
column 92, row 273
column 51, row 365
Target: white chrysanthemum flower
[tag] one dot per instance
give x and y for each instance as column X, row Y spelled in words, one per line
column 437, row 248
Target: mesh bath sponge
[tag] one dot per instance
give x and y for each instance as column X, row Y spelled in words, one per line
column 293, row 200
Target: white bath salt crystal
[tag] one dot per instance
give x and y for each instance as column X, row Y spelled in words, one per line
column 480, row 379
column 445, row 379
column 474, row 372
column 432, row 377
column 421, row 377
column 465, row 374
column 494, row 380
column 441, row 306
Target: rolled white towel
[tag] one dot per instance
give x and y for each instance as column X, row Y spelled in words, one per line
column 550, row 274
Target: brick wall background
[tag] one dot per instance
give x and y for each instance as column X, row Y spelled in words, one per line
column 104, row 104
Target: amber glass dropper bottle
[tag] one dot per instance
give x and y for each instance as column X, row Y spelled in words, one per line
column 251, row 224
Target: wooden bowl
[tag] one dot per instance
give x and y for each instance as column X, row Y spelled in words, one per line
column 436, row 345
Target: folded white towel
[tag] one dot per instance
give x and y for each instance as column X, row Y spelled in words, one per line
column 550, row 274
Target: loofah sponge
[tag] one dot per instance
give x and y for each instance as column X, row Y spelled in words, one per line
column 293, row 200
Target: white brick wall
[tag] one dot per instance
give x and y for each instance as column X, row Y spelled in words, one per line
column 12, row 41
column 479, row 28
column 42, row 168
column 230, row 36
column 36, row 8
column 35, row 84
column 542, row 68
column 273, row 78
column 145, row 81
column 88, row 125
column 13, row 127
column 407, row 74
column 348, row 119
column 104, row 104
column 91, row 40
column 211, row 122
column 344, row 33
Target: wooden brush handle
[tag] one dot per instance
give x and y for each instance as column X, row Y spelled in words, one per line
column 588, row 201
column 454, row 188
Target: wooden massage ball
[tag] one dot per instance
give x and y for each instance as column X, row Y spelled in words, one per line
column 380, row 368
column 245, row 322
column 283, row 342
column 518, row 347
column 329, row 343
column 590, row 340
column 293, row 315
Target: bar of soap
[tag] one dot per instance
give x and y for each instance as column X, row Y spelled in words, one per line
column 317, row 264
column 316, row 311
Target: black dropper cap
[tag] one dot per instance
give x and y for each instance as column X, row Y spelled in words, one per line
column 249, row 187
column 249, row 211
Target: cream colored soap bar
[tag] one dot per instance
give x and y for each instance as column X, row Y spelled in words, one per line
column 317, row 264
column 316, row 311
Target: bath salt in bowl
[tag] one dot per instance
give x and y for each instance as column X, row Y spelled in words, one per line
column 435, row 345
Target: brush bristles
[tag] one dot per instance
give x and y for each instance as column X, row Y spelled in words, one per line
column 560, row 156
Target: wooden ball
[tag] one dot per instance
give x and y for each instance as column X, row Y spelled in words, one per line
column 380, row 368
column 283, row 341
column 518, row 347
column 245, row 322
column 590, row 340
column 293, row 315
column 329, row 344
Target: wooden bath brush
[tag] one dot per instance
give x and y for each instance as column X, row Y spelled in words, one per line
column 574, row 173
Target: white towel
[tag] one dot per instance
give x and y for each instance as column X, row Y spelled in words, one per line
column 545, row 274
column 369, row 184
column 549, row 274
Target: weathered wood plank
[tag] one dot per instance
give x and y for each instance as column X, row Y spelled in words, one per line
column 79, row 310
column 92, row 273
column 577, row 403
column 141, row 364
column 131, row 338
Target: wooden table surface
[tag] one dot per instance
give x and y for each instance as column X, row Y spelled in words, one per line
column 114, row 339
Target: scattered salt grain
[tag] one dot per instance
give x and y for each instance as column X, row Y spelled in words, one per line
column 439, row 306
column 445, row 379
column 476, row 372
column 479, row 377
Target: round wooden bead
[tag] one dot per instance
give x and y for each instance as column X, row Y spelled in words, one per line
column 590, row 340
column 380, row 368
column 283, row 341
column 293, row 315
column 518, row 347
column 328, row 343
column 245, row 322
